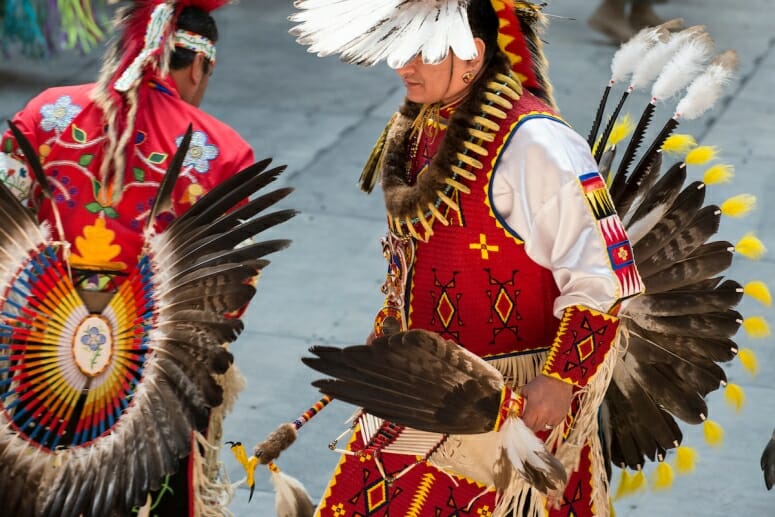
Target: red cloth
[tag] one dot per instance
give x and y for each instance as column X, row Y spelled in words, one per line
column 104, row 227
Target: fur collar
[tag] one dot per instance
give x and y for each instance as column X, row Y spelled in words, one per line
column 413, row 209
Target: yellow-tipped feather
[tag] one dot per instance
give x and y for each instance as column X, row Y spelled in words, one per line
column 638, row 482
column 759, row 291
column 663, row 476
column 621, row 129
column 721, row 173
column 679, row 144
column 756, row 326
column 701, row 155
column 735, row 396
column 714, row 433
column 748, row 360
column 739, row 205
column 685, row 459
column 750, row 247
column 625, row 485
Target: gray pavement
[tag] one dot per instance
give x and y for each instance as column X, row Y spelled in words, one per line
column 321, row 117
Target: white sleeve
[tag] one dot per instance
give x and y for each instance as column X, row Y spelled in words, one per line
column 537, row 189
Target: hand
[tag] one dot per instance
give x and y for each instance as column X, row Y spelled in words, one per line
column 547, row 401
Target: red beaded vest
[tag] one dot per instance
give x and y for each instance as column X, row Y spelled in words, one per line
column 465, row 273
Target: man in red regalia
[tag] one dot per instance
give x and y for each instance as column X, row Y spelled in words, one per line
column 105, row 147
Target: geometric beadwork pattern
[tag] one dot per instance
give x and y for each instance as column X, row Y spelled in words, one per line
column 446, row 309
column 583, row 340
column 597, row 195
column 503, row 305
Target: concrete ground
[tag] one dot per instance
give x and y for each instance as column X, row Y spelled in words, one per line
column 321, row 118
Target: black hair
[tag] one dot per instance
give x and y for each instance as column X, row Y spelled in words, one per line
column 484, row 24
column 193, row 19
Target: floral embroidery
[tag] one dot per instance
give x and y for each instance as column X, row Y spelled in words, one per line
column 96, row 248
column 200, row 153
column 192, row 194
column 59, row 115
column 93, row 339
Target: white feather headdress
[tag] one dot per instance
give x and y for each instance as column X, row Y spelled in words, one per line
column 365, row 33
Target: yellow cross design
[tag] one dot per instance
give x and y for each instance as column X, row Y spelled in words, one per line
column 482, row 245
column 623, row 253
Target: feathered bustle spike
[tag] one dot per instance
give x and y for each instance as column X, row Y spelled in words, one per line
column 750, row 247
column 759, row 291
column 735, row 396
column 685, row 459
column 663, row 476
column 679, row 144
column 592, row 139
column 652, row 153
column 706, row 89
column 714, row 433
column 603, row 144
column 683, row 66
column 701, row 155
column 632, row 147
column 756, row 326
column 719, row 173
column 748, row 360
column 739, row 205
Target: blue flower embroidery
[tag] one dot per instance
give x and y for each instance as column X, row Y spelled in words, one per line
column 60, row 114
column 200, row 153
column 93, row 339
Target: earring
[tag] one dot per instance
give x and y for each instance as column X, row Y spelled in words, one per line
column 468, row 77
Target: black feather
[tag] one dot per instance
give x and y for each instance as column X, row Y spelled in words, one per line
column 163, row 200
column 685, row 205
column 244, row 254
column 598, row 117
column 684, row 242
column 708, row 260
column 620, row 180
column 609, row 127
column 637, row 184
column 687, row 302
column 32, row 159
column 414, row 378
column 225, row 196
column 228, row 240
column 768, row 463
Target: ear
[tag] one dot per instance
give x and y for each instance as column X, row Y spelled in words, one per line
column 481, row 47
column 197, row 69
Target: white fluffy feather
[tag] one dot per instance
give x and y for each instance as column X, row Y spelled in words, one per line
column 366, row 33
column 684, row 66
column 706, row 89
column 656, row 58
column 628, row 56
column 523, row 448
column 291, row 499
